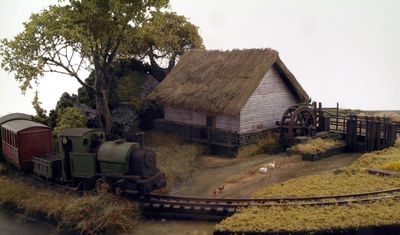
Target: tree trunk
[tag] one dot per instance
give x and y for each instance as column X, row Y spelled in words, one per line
column 102, row 90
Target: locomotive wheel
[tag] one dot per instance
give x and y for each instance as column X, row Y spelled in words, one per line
column 120, row 187
column 102, row 186
column 297, row 121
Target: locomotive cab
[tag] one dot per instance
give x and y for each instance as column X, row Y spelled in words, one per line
column 78, row 147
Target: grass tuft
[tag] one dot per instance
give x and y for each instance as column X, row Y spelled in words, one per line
column 174, row 157
column 265, row 145
column 351, row 179
column 90, row 214
column 316, row 145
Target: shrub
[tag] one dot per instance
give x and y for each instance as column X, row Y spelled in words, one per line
column 70, row 118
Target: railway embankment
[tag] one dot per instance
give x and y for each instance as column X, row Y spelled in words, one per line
column 69, row 212
column 378, row 215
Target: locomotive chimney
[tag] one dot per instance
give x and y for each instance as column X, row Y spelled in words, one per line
column 140, row 139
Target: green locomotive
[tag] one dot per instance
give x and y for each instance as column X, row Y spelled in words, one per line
column 86, row 158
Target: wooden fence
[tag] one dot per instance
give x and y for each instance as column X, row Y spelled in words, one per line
column 362, row 133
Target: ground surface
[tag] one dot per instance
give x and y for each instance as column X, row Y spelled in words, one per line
column 242, row 175
column 350, row 179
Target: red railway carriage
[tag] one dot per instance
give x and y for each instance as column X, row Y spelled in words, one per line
column 22, row 139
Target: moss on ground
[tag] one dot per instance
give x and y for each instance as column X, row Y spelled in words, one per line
column 316, row 145
column 351, row 179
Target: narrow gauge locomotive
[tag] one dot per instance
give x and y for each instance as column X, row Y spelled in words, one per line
column 83, row 157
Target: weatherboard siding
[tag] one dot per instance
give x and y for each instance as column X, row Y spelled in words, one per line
column 184, row 116
column 267, row 104
column 200, row 119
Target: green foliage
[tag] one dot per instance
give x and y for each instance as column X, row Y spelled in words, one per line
column 86, row 95
column 40, row 112
column 66, row 100
column 72, row 36
column 128, row 89
column 164, row 37
column 52, row 119
column 167, row 34
column 70, row 118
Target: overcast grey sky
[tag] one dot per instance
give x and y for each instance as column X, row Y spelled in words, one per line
column 344, row 51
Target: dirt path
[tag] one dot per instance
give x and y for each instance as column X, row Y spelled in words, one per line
column 243, row 178
column 203, row 182
column 240, row 180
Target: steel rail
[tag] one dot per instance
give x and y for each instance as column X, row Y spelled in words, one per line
column 219, row 208
column 165, row 198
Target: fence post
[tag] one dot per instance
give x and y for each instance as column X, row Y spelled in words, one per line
column 367, row 130
column 351, row 133
column 385, row 133
column 337, row 116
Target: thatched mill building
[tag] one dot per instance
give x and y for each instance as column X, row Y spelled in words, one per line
column 227, row 98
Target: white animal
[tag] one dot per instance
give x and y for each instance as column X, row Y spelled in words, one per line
column 270, row 165
column 263, row 170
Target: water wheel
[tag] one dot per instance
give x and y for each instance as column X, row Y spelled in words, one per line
column 298, row 120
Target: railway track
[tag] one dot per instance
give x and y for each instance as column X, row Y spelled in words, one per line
column 161, row 206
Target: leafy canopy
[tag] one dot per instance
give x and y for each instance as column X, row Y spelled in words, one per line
column 70, row 38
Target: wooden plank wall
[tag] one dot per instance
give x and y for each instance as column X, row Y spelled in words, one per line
column 267, row 104
column 200, row 118
column 184, row 116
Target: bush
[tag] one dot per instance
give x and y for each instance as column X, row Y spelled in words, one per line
column 70, row 118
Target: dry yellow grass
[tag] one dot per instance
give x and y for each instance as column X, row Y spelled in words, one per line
column 292, row 219
column 174, row 157
column 329, row 184
column 266, row 144
column 351, row 179
column 3, row 169
column 91, row 214
column 316, row 145
column 392, row 166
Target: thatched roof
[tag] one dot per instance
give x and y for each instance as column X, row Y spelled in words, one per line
column 221, row 81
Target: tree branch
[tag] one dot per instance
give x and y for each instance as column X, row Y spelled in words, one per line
column 68, row 72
